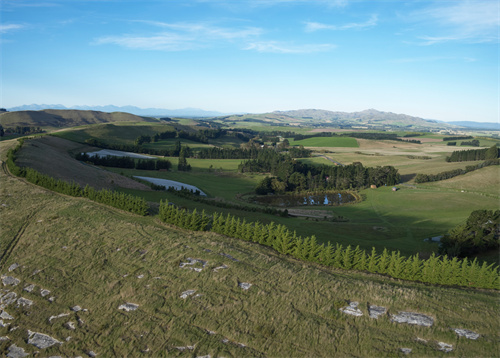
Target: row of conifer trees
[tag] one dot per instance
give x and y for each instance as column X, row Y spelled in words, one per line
column 436, row 269
column 118, row 200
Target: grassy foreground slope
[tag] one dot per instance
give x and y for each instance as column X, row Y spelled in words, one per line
column 100, row 258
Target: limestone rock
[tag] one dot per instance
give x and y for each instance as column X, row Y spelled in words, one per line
column 13, row 267
column 29, row 288
column 41, row 340
column 58, row 316
column 445, row 347
column 76, row 308
column 128, row 307
column 24, row 302
column 376, row 311
column 187, row 293
column 352, row 309
column 44, row 292
column 466, row 333
column 5, row 315
column 413, row 318
column 244, row 285
column 16, row 352
column 7, row 299
column 406, row 350
column 10, row 281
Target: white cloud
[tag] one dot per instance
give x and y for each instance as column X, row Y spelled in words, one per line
column 467, row 21
column 316, row 26
column 6, row 28
column 181, row 37
column 285, row 48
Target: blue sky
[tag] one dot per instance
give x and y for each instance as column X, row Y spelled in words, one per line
column 432, row 59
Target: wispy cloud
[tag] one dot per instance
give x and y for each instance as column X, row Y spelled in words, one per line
column 286, row 48
column 181, row 36
column 4, row 28
column 316, row 26
column 466, row 21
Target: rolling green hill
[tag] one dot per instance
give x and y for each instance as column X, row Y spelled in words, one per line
column 54, row 118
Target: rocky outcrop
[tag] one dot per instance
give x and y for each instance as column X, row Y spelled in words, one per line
column 413, row 318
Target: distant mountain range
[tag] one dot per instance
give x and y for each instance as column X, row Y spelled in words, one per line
column 477, row 125
column 152, row 112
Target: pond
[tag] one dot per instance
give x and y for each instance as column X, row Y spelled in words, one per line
column 307, row 199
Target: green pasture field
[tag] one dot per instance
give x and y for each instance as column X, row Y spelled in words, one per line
column 326, row 142
column 99, row 258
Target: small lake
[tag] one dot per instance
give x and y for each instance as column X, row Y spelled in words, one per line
column 334, row 199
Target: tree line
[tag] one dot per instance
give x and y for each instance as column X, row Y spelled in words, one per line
column 480, row 233
column 425, row 178
column 125, row 162
column 437, row 269
column 474, row 154
column 445, row 139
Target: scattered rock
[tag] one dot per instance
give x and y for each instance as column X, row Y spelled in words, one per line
column 191, row 262
column 376, row 311
column 211, row 332
column 52, row 299
column 2, row 324
column 225, row 340
column 220, row 268
column 13, row 267
column 41, row 340
column 140, row 276
column 182, row 349
column 413, row 318
column 5, row 315
column 187, row 293
column 406, row 350
column 229, row 257
column 13, row 328
column 36, row 272
column 352, row 309
column 207, row 356
column 244, row 285
column 44, row 292
column 24, row 302
column 4, row 338
column 81, row 322
column 91, row 354
column 128, row 307
column 445, row 347
column 76, row 308
column 7, row 299
column 466, row 333
column 29, row 288
column 16, row 352
column 58, row 316
column 10, row 281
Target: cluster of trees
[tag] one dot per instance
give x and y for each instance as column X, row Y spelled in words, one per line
column 472, row 143
column 451, row 143
column 248, row 153
column 361, row 135
column 445, row 139
column 23, row 130
column 183, row 164
column 480, row 233
column 425, row 178
column 291, row 175
column 438, row 270
column 474, row 154
column 122, row 201
column 125, row 162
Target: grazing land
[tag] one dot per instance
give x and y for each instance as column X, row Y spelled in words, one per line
column 243, row 299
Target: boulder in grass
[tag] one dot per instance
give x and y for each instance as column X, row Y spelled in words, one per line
column 413, row 318
column 245, row 285
column 128, row 307
column 41, row 340
column 376, row 311
column 445, row 347
column 16, row 352
column 352, row 309
column 466, row 333
column 13, row 267
column 10, row 281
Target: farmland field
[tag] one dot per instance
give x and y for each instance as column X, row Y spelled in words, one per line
column 100, row 258
column 326, row 142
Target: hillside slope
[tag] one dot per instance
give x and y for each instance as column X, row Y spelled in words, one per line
column 65, row 118
column 107, row 261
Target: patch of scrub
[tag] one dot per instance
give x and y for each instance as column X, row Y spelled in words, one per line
column 171, row 184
